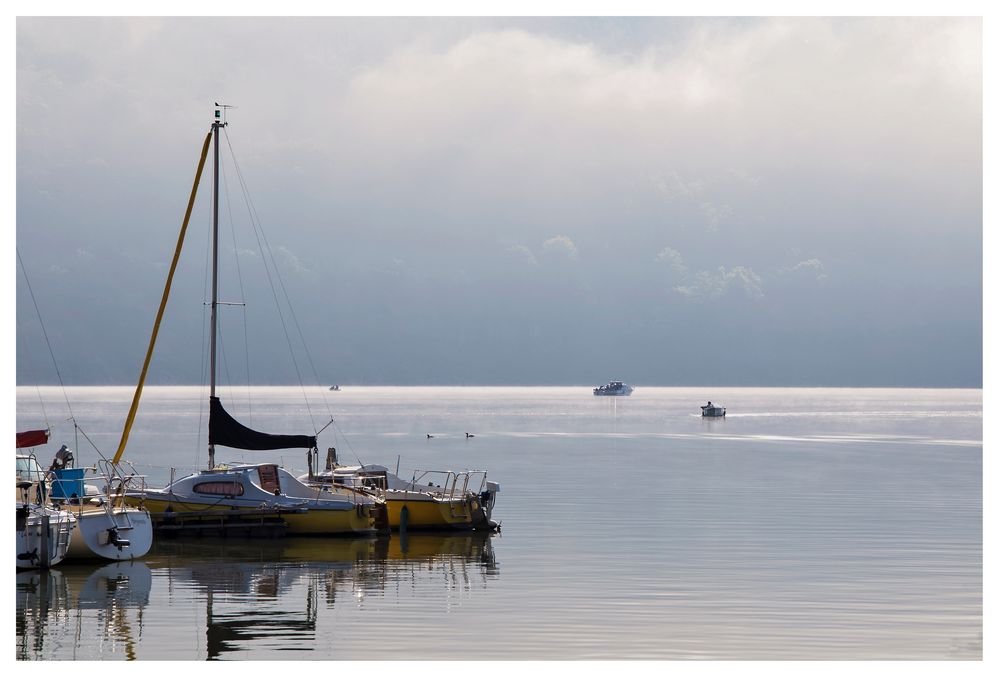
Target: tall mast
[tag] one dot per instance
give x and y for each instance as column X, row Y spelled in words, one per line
column 219, row 123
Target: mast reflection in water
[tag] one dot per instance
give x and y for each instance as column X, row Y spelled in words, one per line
column 201, row 599
column 77, row 601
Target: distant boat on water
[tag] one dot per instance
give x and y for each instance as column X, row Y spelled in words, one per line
column 614, row 388
column 712, row 410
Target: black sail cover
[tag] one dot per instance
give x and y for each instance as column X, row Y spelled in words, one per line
column 225, row 431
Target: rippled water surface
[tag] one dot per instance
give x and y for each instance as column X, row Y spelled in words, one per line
column 806, row 524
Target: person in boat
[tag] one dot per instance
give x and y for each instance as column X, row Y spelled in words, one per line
column 63, row 458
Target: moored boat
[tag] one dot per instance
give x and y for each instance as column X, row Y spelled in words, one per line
column 251, row 490
column 42, row 531
column 461, row 499
column 106, row 526
column 43, row 535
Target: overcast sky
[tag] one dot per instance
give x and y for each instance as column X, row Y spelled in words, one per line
column 509, row 201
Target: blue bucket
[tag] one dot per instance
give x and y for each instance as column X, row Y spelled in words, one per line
column 67, row 483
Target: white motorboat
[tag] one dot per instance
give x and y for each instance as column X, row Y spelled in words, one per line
column 43, row 533
column 614, row 388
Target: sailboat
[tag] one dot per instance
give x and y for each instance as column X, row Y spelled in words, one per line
column 241, row 492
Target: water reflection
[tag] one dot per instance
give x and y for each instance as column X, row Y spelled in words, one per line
column 248, row 598
column 117, row 592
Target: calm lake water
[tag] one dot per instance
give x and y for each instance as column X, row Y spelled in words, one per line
column 807, row 524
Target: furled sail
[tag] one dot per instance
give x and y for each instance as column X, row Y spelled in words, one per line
column 32, row 438
column 225, row 431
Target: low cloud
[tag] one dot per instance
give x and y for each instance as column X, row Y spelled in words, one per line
column 294, row 263
column 674, row 260
column 713, row 285
column 524, row 253
column 671, row 186
column 812, row 268
column 715, row 214
column 562, row 244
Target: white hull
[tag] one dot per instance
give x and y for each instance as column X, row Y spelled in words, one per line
column 125, row 534
column 38, row 547
column 614, row 389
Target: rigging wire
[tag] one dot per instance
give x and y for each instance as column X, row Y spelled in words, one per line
column 242, row 292
column 24, row 348
column 225, row 364
column 24, row 271
column 55, row 364
column 266, row 248
column 267, row 251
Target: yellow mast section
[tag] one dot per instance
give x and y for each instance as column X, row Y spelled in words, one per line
column 163, row 302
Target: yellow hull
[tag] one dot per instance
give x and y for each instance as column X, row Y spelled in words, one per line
column 429, row 514
column 316, row 520
column 356, row 521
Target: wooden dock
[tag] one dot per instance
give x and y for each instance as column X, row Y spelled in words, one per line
column 247, row 523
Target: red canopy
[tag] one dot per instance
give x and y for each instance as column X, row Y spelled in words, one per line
column 32, row 438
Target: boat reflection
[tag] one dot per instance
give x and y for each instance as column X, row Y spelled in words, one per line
column 116, row 593
column 246, row 598
column 267, row 595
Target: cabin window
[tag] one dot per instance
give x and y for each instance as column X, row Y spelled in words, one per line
column 268, row 475
column 219, row 488
column 375, row 481
column 28, row 470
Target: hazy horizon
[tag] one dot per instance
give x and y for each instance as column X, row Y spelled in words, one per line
column 771, row 202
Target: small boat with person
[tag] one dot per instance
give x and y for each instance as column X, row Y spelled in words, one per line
column 712, row 410
column 614, row 388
